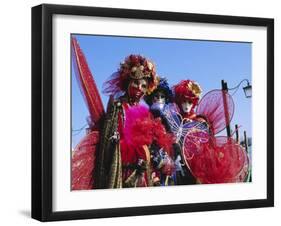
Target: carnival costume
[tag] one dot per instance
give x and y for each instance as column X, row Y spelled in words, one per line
column 210, row 158
column 125, row 145
column 159, row 100
column 116, row 151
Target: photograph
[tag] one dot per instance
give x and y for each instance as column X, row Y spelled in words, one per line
column 149, row 112
column 141, row 112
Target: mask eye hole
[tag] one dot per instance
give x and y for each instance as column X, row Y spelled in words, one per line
column 144, row 86
column 188, row 103
column 135, row 83
column 160, row 96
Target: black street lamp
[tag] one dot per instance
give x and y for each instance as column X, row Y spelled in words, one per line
column 247, row 89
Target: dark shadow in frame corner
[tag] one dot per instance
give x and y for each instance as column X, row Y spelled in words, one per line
column 42, row 112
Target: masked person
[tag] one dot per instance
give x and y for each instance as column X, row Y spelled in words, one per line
column 186, row 94
column 208, row 158
column 160, row 100
column 177, row 119
column 129, row 130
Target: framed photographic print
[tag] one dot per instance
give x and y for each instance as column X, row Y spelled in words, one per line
column 145, row 112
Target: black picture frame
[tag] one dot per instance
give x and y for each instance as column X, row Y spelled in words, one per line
column 42, row 107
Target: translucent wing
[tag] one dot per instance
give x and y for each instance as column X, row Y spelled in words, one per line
column 176, row 123
column 84, row 154
column 197, row 134
column 187, row 133
column 217, row 107
column 83, row 162
column 87, row 83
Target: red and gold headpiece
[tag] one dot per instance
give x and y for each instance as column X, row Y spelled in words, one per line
column 134, row 67
column 187, row 90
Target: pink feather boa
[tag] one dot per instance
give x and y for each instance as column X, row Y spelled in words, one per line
column 141, row 129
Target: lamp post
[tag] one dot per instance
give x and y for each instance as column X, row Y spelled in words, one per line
column 248, row 94
column 247, row 89
column 225, row 106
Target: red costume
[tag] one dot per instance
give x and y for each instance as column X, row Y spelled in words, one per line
column 216, row 159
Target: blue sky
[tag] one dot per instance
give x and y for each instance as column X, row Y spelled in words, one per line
column 207, row 62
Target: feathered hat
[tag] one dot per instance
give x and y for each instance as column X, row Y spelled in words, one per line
column 162, row 86
column 134, row 67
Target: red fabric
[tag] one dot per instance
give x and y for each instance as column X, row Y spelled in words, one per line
column 83, row 159
column 168, row 167
column 162, row 138
column 221, row 160
column 142, row 129
column 213, row 106
column 87, row 83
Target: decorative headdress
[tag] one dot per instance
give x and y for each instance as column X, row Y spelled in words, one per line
column 134, row 67
column 162, row 86
column 187, row 90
